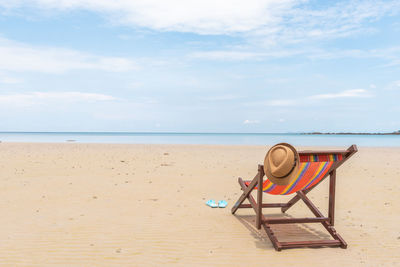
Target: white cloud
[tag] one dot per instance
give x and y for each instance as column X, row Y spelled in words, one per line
column 309, row 100
column 343, row 94
column 251, row 122
column 335, row 20
column 206, row 16
column 73, row 96
column 278, row 20
column 17, row 56
column 268, row 28
column 225, row 55
column 29, row 99
column 389, row 54
column 237, row 55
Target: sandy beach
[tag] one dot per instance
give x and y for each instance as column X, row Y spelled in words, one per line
column 144, row 205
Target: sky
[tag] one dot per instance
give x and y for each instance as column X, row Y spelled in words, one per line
column 200, row 66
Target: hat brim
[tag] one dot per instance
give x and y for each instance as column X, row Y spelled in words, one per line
column 288, row 178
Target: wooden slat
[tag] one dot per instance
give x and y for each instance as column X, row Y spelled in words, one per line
column 265, row 205
column 296, row 220
column 319, row 243
column 277, row 245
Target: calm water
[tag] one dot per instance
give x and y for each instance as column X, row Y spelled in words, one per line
column 202, row 138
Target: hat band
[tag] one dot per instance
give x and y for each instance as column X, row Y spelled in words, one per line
column 294, row 165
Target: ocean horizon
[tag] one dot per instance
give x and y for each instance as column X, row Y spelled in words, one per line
column 298, row 139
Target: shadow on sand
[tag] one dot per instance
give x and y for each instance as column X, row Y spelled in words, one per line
column 284, row 232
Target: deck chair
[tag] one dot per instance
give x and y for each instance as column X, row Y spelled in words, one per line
column 315, row 166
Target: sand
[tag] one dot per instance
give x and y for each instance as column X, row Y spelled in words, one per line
column 144, row 205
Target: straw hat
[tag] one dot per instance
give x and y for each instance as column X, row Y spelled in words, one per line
column 281, row 164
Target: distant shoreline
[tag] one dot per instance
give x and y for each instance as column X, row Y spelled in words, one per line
column 347, row 133
column 189, row 133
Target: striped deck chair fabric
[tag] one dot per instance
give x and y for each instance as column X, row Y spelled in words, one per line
column 312, row 169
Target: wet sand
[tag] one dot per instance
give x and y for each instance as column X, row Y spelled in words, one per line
column 144, row 205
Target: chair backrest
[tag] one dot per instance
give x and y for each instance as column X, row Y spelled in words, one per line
column 313, row 168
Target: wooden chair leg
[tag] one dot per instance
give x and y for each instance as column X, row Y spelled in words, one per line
column 246, row 192
column 332, row 184
column 294, row 200
column 259, row 196
column 290, row 203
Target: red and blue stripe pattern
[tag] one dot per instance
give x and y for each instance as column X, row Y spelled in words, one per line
column 312, row 169
column 320, row 157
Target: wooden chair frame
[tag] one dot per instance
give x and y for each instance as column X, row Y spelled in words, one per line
column 327, row 222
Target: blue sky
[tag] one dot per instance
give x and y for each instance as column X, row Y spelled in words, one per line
column 199, row 66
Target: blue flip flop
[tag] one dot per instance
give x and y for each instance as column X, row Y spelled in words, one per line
column 211, row 203
column 222, row 204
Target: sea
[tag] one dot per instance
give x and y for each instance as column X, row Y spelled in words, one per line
column 296, row 139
